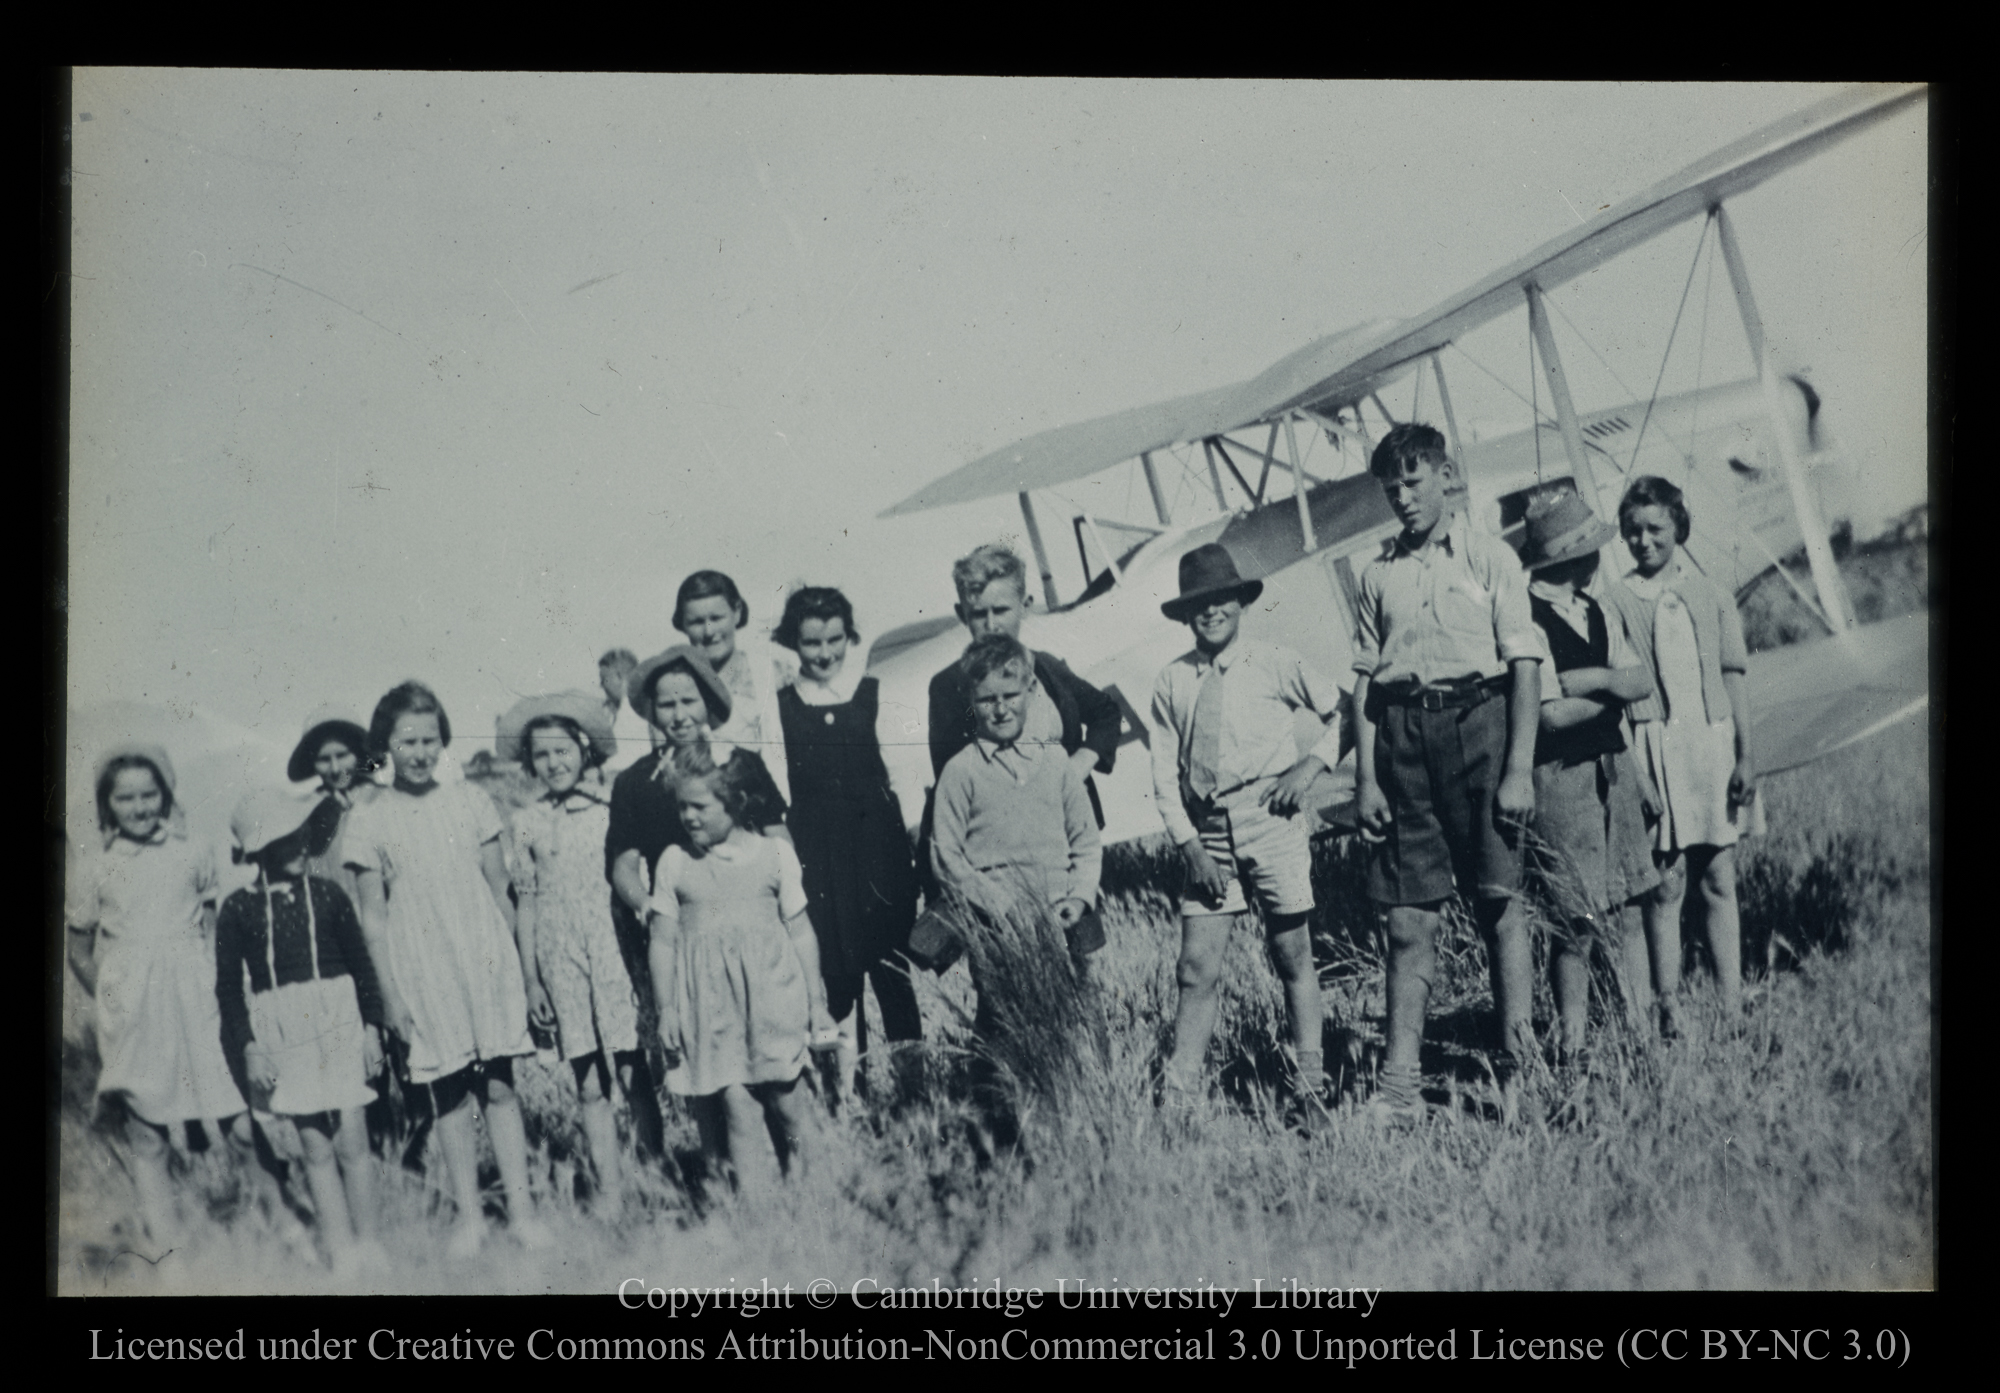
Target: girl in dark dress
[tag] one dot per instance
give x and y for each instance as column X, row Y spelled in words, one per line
column 861, row 884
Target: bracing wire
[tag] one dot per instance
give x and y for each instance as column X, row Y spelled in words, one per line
column 1504, row 384
column 1700, row 240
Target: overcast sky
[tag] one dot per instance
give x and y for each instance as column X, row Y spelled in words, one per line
column 390, row 375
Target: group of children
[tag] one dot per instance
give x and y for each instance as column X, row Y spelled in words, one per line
column 719, row 905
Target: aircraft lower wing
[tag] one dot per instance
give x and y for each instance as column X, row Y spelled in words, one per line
column 1810, row 699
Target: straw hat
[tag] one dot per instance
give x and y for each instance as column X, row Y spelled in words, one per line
column 327, row 723
column 1561, row 529
column 587, row 709
column 153, row 754
column 639, row 686
column 264, row 815
column 1207, row 573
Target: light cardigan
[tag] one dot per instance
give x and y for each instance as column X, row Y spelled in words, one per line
column 770, row 668
column 1718, row 634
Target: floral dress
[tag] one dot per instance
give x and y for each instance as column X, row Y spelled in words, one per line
column 560, row 867
column 449, row 952
column 739, row 991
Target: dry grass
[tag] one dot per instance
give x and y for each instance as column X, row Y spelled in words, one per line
column 1795, row 1152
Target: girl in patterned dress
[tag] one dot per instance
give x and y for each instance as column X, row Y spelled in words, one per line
column 440, row 931
column 1693, row 738
column 736, row 970
column 577, row 980
column 140, row 904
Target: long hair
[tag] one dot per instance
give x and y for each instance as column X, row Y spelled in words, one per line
column 107, row 821
column 821, row 602
column 410, row 698
column 704, row 585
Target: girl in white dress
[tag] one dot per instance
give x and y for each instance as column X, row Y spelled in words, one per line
column 440, row 932
column 1693, row 738
column 140, row 904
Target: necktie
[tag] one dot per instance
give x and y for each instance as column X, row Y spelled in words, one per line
column 1205, row 746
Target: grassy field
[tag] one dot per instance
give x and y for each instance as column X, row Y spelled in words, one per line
column 1795, row 1152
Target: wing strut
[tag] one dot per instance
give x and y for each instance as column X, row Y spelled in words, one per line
column 1826, row 575
column 1444, row 399
column 1041, row 552
column 1299, row 486
column 1153, row 483
column 1572, row 432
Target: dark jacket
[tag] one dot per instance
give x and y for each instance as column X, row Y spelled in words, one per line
column 1089, row 718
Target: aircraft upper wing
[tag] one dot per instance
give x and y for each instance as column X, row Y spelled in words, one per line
column 1343, row 368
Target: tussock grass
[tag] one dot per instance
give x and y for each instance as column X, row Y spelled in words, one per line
column 1792, row 1149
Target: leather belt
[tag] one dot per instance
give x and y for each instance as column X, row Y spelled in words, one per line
column 1447, row 697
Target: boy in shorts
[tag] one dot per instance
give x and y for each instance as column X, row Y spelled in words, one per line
column 1591, row 853
column 1447, row 699
column 1230, row 785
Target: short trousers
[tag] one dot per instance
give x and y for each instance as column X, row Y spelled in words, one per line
column 1257, row 849
column 1440, row 771
column 1589, row 848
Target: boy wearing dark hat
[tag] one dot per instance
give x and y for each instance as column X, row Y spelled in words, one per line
column 1447, row 696
column 1591, row 852
column 1230, row 784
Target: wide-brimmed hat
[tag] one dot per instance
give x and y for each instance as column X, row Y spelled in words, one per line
column 640, row 684
column 1209, row 572
column 587, row 709
column 327, row 723
column 265, row 815
column 1562, row 528
column 152, row 754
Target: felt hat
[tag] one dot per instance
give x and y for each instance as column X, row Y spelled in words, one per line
column 264, row 815
column 152, row 754
column 1561, row 529
column 327, row 723
column 639, row 686
column 587, row 709
column 1208, row 573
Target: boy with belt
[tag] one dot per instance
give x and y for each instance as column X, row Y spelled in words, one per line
column 1230, row 784
column 1447, row 700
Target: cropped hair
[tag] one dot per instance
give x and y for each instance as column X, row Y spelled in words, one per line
column 995, row 653
column 704, row 585
column 730, row 780
column 107, row 821
column 1651, row 491
column 550, row 720
column 411, row 698
column 813, row 602
column 624, row 659
column 982, row 566
column 1413, row 442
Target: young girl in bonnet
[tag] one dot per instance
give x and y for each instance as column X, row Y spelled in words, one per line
column 140, row 904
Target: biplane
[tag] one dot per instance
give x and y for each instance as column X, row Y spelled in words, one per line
column 1285, row 453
